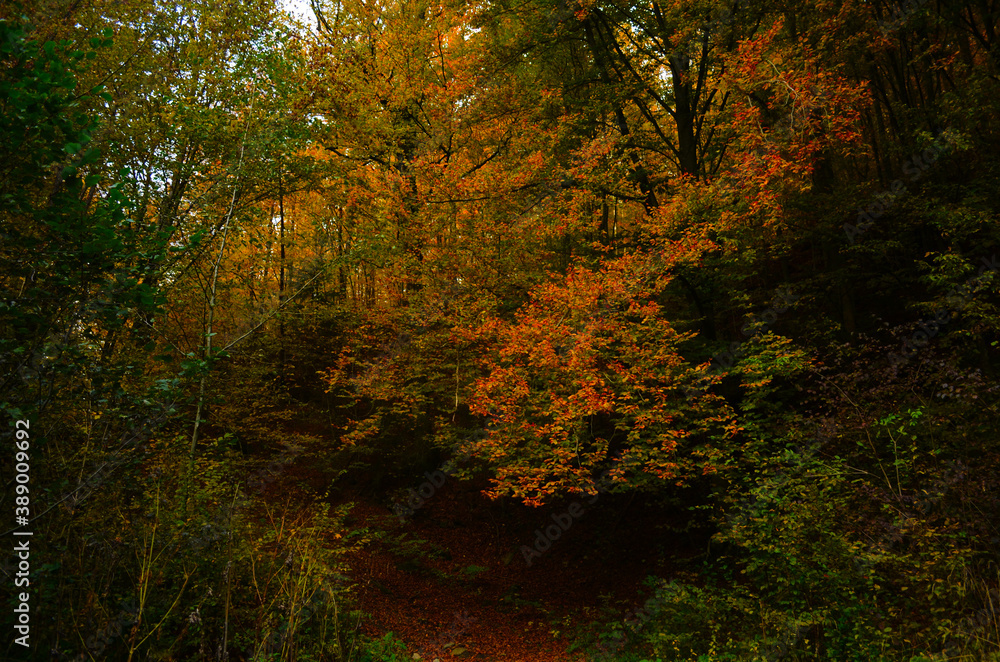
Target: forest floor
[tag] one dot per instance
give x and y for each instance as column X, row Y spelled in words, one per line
column 451, row 579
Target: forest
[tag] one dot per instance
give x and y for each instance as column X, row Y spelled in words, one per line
column 500, row 330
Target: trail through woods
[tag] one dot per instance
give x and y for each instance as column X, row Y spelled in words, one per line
column 451, row 579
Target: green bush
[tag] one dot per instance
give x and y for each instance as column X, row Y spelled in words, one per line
column 386, row 649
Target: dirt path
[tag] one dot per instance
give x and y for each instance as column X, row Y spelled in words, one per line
column 451, row 579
